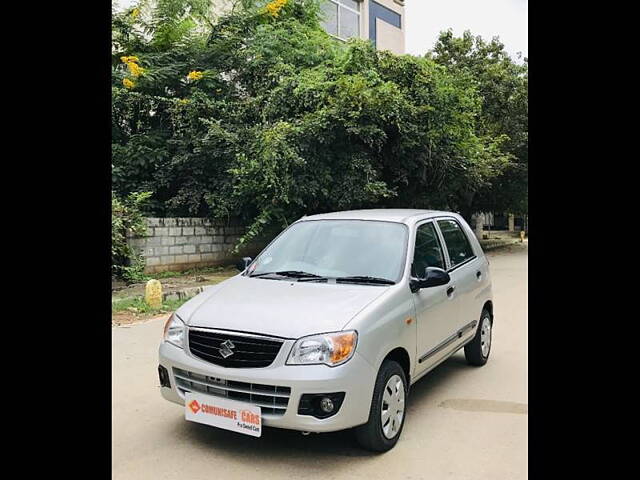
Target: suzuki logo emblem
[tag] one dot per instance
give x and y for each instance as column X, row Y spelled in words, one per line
column 225, row 349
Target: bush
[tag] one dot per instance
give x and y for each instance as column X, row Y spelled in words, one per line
column 127, row 219
column 262, row 116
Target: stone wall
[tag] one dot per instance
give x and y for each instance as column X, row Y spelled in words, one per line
column 176, row 244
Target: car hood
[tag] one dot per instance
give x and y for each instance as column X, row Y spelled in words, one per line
column 277, row 307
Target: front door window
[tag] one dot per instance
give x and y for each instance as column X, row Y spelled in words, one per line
column 428, row 251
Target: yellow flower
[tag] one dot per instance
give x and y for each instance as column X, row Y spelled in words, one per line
column 195, row 75
column 135, row 69
column 273, row 8
column 129, row 59
column 135, row 12
column 184, row 101
column 128, row 83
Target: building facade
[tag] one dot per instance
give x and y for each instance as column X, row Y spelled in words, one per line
column 380, row 21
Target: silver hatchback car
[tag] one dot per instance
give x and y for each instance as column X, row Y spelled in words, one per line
column 329, row 326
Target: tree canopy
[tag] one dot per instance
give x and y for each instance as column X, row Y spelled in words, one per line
column 503, row 87
column 260, row 115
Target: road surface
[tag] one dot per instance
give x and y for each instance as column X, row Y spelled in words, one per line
column 462, row 422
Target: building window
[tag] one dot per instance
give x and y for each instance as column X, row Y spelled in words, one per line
column 341, row 18
column 385, row 14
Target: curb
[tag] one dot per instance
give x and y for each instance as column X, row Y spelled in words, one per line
column 175, row 295
column 492, row 245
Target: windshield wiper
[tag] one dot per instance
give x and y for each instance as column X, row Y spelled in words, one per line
column 306, row 276
column 366, row 279
column 288, row 273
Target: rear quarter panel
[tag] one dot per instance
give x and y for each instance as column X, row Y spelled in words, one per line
column 482, row 292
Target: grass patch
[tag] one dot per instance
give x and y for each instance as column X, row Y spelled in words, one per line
column 228, row 270
column 138, row 306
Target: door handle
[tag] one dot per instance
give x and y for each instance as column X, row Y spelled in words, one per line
column 450, row 291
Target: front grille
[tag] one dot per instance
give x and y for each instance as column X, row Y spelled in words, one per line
column 272, row 399
column 248, row 351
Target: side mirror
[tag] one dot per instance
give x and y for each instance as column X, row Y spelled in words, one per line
column 433, row 277
column 243, row 264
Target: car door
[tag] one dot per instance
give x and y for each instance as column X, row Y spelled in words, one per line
column 436, row 311
column 465, row 272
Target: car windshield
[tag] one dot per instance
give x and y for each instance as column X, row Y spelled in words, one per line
column 336, row 249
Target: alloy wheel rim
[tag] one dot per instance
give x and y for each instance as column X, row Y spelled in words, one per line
column 485, row 337
column 392, row 411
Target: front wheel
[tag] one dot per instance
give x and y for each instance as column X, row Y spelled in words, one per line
column 387, row 412
column 477, row 350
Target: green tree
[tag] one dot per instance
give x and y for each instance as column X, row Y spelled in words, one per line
column 261, row 115
column 502, row 85
column 127, row 219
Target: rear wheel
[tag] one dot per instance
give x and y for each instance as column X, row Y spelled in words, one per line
column 477, row 350
column 387, row 412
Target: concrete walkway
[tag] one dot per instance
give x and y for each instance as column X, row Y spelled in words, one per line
column 462, row 422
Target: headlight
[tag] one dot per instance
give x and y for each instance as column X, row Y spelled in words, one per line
column 174, row 331
column 329, row 348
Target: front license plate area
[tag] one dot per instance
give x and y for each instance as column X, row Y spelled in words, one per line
column 231, row 415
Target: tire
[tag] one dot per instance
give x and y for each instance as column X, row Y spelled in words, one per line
column 374, row 435
column 477, row 351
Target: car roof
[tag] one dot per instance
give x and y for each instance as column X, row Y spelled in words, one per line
column 400, row 215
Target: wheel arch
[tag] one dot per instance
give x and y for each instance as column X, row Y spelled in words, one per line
column 400, row 355
column 488, row 305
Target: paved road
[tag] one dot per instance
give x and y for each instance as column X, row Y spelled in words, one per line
column 462, row 423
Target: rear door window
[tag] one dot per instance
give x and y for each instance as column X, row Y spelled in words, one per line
column 456, row 241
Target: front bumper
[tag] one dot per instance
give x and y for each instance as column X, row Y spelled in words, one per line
column 356, row 378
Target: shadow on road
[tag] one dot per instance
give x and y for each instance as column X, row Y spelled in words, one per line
column 290, row 446
column 422, row 391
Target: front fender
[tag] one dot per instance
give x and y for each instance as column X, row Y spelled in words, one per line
column 386, row 324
